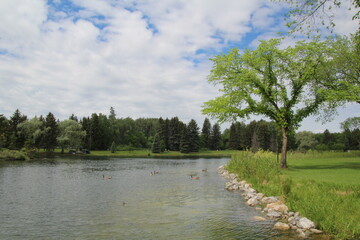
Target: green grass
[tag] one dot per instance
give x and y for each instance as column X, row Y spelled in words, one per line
column 333, row 167
column 325, row 187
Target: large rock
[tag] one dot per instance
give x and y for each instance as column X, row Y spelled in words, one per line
column 252, row 202
column 277, row 206
column 273, row 214
column 281, row 226
column 268, row 200
column 305, row 223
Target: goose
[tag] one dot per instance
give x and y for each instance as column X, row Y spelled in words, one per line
column 194, row 177
column 106, row 177
column 204, row 170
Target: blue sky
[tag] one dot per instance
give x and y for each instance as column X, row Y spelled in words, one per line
column 145, row 58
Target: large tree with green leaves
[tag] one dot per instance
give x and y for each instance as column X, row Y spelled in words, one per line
column 281, row 84
column 71, row 135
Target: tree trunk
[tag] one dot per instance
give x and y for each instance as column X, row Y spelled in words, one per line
column 283, row 163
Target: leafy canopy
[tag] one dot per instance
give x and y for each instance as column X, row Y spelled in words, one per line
column 282, row 84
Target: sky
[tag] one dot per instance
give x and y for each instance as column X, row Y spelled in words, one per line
column 144, row 58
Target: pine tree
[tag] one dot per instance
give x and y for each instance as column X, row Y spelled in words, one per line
column 17, row 140
column 194, row 139
column 184, row 142
column 174, row 134
column 234, row 140
column 205, row 134
column 157, row 146
column 96, row 133
column 51, row 132
column 215, row 137
column 164, row 132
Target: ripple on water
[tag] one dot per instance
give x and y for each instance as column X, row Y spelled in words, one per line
column 70, row 200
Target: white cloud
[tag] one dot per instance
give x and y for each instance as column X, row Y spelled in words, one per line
column 141, row 57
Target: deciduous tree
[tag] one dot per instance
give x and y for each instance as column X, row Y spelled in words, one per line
column 281, row 84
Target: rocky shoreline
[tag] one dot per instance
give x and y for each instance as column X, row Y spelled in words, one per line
column 272, row 206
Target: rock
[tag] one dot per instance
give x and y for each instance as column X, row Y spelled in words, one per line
column 281, row 226
column 232, row 176
column 252, row 202
column 277, row 206
column 316, row 231
column 258, row 218
column 291, row 220
column 251, row 190
column 259, row 196
column 268, row 200
column 273, row 214
column 301, row 233
column 305, row 223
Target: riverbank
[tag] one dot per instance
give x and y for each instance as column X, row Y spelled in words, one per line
column 21, row 155
column 313, row 186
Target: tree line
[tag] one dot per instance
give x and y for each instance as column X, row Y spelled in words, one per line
column 107, row 132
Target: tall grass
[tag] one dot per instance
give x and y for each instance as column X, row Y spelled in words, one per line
column 335, row 208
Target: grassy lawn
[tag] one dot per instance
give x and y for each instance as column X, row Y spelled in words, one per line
column 324, row 187
column 332, row 167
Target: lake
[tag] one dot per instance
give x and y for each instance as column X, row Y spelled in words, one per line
column 69, row 199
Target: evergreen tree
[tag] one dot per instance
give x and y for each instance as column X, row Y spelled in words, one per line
column 86, row 126
column 4, row 131
column 234, row 140
column 185, row 139
column 215, row 137
column 194, row 139
column 164, row 131
column 157, row 146
column 174, row 134
column 73, row 117
column 96, row 133
column 206, row 134
column 17, row 140
column 51, row 132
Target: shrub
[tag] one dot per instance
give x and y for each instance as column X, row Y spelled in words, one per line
column 12, row 155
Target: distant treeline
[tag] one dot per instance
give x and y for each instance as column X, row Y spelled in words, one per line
column 106, row 132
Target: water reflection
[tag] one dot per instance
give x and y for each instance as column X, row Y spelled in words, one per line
column 68, row 199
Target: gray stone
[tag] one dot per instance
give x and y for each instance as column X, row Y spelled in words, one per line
column 316, row 231
column 252, row 202
column 281, row 226
column 305, row 223
column 259, row 196
column 268, row 200
column 273, row 214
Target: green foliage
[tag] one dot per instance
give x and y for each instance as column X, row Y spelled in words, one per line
column 158, row 145
column 13, row 155
column 306, row 141
column 206, row 134
column 70, row 134
column 215, row 137
column 193, row 136
column 275, row 83
column 259, row 168
column 50, row 132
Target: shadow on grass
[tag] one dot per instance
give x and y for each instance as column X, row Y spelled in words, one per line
column 343, row 165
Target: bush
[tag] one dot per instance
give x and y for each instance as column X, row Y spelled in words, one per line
column 13, row 155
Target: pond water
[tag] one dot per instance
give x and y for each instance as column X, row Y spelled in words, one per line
column 69, row 199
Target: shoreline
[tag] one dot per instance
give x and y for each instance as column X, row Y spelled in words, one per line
column 273, row 206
